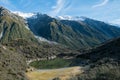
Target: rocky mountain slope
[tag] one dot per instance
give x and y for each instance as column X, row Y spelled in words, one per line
column 76, row 34
column 13, row 27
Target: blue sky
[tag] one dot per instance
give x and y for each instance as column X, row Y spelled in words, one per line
column 105, row 10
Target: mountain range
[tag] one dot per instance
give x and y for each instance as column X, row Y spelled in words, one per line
column 93, row 42
column 76, row 34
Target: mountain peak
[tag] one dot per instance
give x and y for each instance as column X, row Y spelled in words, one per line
column 39, row 15
column 3, row 11
column 76, row 18
column 23, row 14
column 2, row 7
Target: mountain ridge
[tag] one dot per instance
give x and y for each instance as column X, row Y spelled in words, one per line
column 13, row 27
column 72, row 33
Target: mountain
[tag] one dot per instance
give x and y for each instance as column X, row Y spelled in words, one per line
column 18, row 45
column 109, row 49
column 77, row 34
column 13, row 27
column 75, row 18
column 103, row 62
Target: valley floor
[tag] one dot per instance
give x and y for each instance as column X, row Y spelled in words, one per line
column 49, row 74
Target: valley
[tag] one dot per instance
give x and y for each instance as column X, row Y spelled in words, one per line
column 42, row 47
column 51, row 69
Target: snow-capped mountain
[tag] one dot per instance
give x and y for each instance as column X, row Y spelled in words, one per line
column 76, row 18
column 22, row 14
column 75, row 32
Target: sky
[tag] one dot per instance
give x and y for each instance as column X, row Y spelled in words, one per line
column 104, row 10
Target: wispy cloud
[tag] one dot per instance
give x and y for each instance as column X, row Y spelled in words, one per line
column 58, row 7
column 7, row 4
column 100, row 4
column 26, row 3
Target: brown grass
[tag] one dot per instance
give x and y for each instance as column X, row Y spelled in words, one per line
column 63, row 74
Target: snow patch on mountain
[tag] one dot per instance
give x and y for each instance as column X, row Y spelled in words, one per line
column 41, row 39
column 22, row 14
column 1, row 34
column 77, row 18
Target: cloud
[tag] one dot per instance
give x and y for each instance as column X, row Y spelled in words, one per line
column 58, row 7
column 22, row 14
column 101, row 4
column 116, row 21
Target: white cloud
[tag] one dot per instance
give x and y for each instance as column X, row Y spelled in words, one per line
column 58, row 7
column 101, row 4
column 22, row 14
column 116, row 21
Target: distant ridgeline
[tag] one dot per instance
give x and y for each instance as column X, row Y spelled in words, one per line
column 77, row 34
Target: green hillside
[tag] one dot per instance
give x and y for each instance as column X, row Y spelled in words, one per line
column 13, row 27
column 104, row 62
column 75, row 34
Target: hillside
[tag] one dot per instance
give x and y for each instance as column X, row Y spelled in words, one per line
column 13, row 27
column 33, row 50
column 103, row 62
column 12, row 64
column 109, row 49
column 72, row 33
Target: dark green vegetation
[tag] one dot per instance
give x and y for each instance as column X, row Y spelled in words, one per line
column 104, row 62
column 12, row 64
column 102, row 72
column 13, row 27
column 51, row 64
column 75, row 34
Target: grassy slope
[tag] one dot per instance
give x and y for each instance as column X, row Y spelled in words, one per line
column 12, row 64
column 33, row 50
